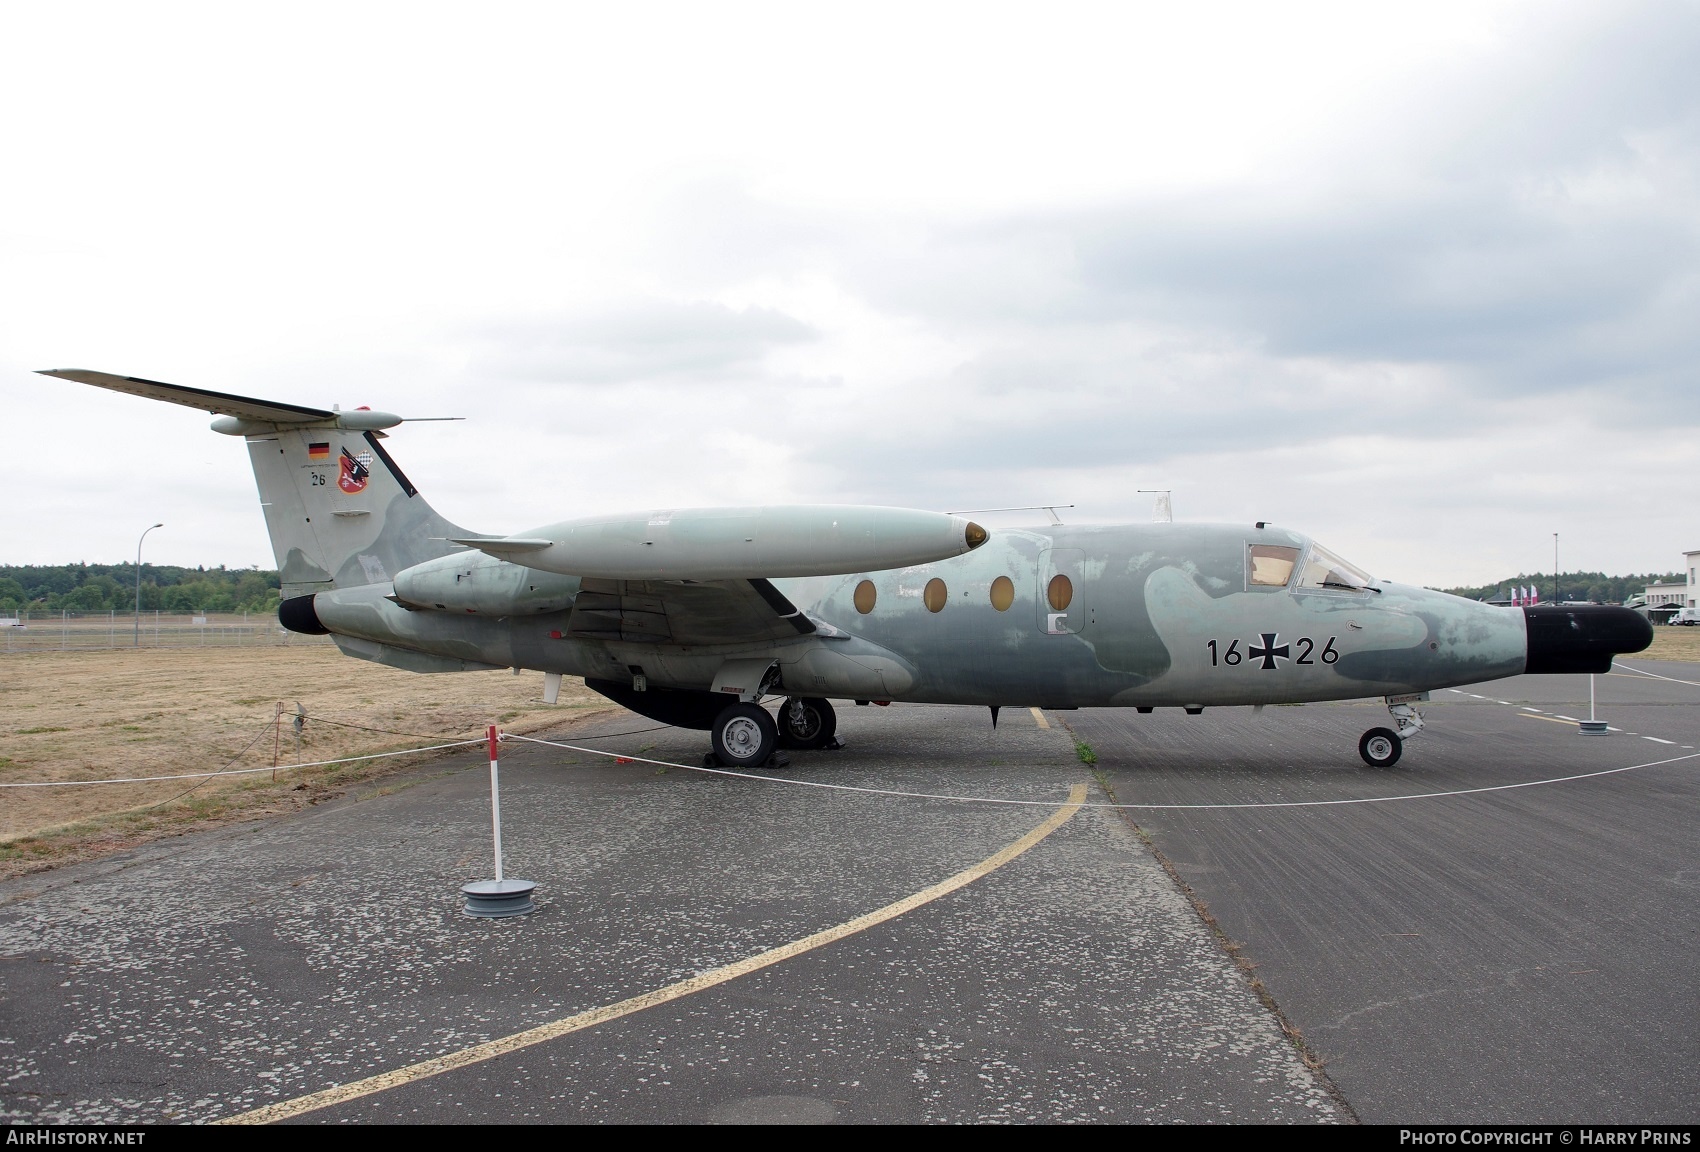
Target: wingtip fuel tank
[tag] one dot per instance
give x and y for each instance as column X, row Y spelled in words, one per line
column 770, row 542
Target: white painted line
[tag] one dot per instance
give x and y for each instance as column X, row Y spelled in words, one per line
column 1656, row 676
column 1656, row 740
column 1507, row 703
column 478, row 1053
column 1526, row 708
column 1572, row 719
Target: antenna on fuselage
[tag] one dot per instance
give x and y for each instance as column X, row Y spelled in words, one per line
column 1162, row 512
column 1048, row 509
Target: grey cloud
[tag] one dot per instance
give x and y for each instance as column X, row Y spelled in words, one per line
column 999, row 420
column 1531, row 224
column 1468, row 280
column 638, row 342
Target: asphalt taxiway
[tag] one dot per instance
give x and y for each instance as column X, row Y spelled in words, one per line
column 1524, row 955
column 1513, row 955
column 213, row 975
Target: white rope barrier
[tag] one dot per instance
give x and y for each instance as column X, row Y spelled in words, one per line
column 1142, row 807
column 237, row 771
column 891, row 792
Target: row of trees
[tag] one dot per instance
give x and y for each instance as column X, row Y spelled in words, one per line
column 1595, row 586
column 112, row 587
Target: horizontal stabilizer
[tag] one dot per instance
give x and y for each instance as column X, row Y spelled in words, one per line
column 219, row 403
column 502, row 546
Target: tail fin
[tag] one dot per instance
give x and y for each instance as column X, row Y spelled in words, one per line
column 340, row 511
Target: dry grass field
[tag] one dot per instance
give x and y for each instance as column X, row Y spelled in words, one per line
column 1673, row 644
column 159, row 712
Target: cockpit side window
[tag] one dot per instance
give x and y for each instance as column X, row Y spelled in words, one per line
column 1323, row 569
column 1269, row 565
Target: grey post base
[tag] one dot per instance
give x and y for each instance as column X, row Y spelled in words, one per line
column 498, row 897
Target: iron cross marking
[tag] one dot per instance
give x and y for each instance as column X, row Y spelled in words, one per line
column 1269, row 652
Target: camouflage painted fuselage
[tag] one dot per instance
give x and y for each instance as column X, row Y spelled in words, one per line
column 1159, row 615
column 1162, row 615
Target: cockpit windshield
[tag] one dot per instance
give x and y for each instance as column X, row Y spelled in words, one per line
column 1323, row 569
column 1269, row 565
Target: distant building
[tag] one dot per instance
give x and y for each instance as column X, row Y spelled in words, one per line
column 1668, row 595
column 1661, row 600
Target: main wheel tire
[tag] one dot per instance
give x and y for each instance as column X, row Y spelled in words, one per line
column 806, row 722
column 1380, row 747
column 744, row 736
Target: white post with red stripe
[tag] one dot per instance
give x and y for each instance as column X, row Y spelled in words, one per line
column 496, row 801
column 501, row 896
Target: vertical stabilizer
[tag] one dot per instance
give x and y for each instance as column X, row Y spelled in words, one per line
column 340, row 511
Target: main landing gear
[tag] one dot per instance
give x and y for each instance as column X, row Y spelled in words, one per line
column 1381, row 747
column 746, row 735
column 807, row 722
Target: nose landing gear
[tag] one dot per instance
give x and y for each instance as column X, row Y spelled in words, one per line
column 1381, row 747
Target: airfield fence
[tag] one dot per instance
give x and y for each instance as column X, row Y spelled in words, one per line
column 27, row 631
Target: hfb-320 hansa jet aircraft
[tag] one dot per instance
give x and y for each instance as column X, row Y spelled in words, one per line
column 694, row 616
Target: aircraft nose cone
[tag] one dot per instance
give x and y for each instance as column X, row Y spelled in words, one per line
column 1582, row 639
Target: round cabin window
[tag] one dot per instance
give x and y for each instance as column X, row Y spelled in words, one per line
column 865, row 596
column 1003, row 593
column 1060, row 592
column 934, row 595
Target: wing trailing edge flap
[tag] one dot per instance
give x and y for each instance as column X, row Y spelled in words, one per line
column 663, row 612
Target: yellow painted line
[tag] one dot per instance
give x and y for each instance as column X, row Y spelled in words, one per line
column 478, row 1053
column 1548, row 719
column 1039, row 718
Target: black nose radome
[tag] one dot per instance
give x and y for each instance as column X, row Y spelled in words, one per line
column 1582, row 639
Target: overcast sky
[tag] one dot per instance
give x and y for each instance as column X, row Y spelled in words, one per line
column 1423, row 282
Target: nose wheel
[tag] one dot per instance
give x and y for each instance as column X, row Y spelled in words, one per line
column 1380, row 747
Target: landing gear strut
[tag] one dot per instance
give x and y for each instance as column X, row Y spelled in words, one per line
column 1380, row 747
column 806, row 722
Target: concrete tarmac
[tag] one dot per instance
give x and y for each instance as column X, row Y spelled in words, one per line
column 1523, row 955
column 202, row 977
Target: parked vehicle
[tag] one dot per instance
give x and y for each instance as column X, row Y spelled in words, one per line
column 1689, row 616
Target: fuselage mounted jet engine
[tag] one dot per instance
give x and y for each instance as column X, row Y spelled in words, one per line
column 695, row 616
